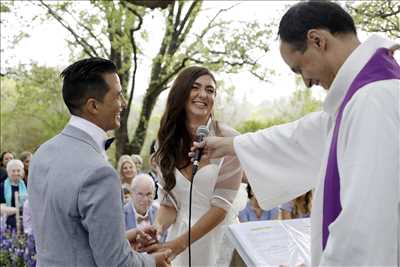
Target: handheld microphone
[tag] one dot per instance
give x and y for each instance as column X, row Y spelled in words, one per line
column 201, row 132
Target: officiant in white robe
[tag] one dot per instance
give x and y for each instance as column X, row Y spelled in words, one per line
column 285, row 161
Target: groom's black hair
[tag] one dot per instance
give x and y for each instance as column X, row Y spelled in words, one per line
column 304, row 16
column 83, row 80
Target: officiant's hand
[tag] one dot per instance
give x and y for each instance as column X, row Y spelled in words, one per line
column 214, row 147
column 140, row 238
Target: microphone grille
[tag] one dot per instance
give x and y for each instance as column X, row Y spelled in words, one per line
column 202, row 131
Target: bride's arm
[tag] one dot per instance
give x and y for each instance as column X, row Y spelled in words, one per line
column 166, row 216
column 205, row 224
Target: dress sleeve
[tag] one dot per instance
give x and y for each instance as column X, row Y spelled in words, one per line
column 229, row 178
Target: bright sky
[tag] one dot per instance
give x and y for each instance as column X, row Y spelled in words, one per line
column 46, row 45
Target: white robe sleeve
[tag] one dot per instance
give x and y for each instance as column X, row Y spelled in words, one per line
column 283, row 162
column 367, row 230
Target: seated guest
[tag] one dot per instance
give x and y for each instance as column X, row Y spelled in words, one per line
column 137, row 159
column 26, row 157
column 127, row 170
column 253, row 211
column 140, row 212
column 13, row 183
column 285, row 210
column 302, row 206
column 126, row 193
column 5, row 157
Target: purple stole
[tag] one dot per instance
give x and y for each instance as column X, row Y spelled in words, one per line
column 380, row 67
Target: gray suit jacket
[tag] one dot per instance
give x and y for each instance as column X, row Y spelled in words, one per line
column 75, row 197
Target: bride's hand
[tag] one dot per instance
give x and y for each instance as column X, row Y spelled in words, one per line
column 176, row 246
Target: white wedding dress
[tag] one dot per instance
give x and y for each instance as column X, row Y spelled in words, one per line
column 215, row 184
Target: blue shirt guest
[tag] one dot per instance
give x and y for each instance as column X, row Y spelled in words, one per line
column 253, row 211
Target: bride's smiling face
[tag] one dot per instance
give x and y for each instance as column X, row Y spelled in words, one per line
column 200, row 102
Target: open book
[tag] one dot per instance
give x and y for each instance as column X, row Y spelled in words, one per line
column 272, row 243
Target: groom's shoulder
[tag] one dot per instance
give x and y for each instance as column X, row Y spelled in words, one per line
column 47, row 147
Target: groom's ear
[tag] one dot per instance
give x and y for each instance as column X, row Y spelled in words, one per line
column 92, row 106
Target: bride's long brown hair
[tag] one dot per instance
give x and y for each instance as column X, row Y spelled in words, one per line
column 174, row 140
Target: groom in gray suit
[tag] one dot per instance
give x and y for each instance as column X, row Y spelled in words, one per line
column 74, row 193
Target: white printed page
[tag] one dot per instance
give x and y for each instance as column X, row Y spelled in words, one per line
column 272, row 243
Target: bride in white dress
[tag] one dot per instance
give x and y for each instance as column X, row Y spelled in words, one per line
column 189, row 105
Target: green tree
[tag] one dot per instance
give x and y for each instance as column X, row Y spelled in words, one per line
column 32, row 109
column 253, row 125
column 115, row 30
column 299, row 104
column 377, row 16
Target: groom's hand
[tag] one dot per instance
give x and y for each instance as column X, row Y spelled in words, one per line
column 143, row 237
column 175, row 247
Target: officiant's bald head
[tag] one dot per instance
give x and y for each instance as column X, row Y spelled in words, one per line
column 316, row 39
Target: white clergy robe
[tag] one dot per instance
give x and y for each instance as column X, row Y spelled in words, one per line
column 285, row 161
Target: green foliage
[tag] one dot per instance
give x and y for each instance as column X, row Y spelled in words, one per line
column 377, row 16
column 4, row 7
column 255, row 125
column 298, row 105
column 32, row 109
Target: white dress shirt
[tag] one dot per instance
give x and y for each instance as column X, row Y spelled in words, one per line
column 98, row 134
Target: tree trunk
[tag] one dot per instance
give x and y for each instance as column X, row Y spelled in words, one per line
column 139, row 137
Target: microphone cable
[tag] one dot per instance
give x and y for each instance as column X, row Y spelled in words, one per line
column 201, row 132
column 190, row 218
column 194, row 171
